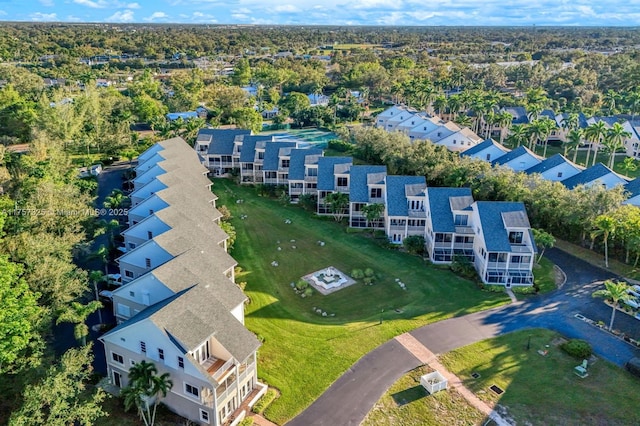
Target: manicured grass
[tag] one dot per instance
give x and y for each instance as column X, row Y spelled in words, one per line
column 304, row 352
column 407, row 403
column 544, row 276
column 544, row 389
column 118, row 417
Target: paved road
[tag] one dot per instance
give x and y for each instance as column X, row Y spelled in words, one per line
column 353, row 395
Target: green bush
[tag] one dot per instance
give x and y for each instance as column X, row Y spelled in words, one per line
column 247, row 421
column 302, row 285
column 369, row 272
column 266, row 399
column 577, row 348
column 367, row 280
column 524, row 290
column 339, row 145
column 462, row 266
column 414, row 244
column 357, row 274
column 308, row 292
column 494, row 288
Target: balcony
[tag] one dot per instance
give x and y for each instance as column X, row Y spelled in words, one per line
column 464, row 230
column 219, row 369
column 343, row 189
column 417, row 213
column 519, row 248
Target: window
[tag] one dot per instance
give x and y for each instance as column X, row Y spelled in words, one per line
column 343, row 181
column 117, row 358
column 132, row 293
column 376, row 192
column 150, row 211
column 488, row 157
column 149, row 235
column 143, row 347
column 443, row 238
column 261, row 155
column 312, row 171
column 559, row 174
column 160, row 353
column 204, row 416
column 515, row 237
column 132, row 246
column 285, row 163
column 180, row 362
column 191, row 390
column 497, row 257
column 128, row 274
column 461, row 220
column 123, row 310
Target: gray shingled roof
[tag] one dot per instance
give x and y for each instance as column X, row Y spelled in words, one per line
column 439, row 200
column 517, row 219
column 512, row 155
column 179, row 196
column 633, row 187
column 300, row 158
column 492, row 224
column 272, row 153
column 326, row 165
column 589, row 175
column 519, row 114
column 488, row 143
column 358, row 189
column 397, row 192
column 248, row 150
column 222, row 139
column 548, row 164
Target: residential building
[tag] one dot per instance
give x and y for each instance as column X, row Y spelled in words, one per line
column 555, row 168
column 216, row 146
column 519, row 159
column 487, row 150
column 448, row 224
column 366, row 186
column 333, row 176
column 251, row 158
column 404, row 207
column 303, row 172
column 277, row 159
column 595, row 175
column 383, row 117
column 503, row 247
column 632, row 190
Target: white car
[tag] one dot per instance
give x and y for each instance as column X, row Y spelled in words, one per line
column 114, row 279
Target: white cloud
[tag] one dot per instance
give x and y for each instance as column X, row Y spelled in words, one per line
column 2, row 13
column 156, row 15
column 133, row 6
column 47, row 3
column 106, row 4
column 89, row 3
column 39, row 16
column 286, row 8
column 121, row 16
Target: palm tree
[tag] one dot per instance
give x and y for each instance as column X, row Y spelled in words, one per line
column 616, row 292
column 518, row 135
column 594, row 133
column 95, row 277
column 77, row 313
column 611, row 97
column 372, row 213
column 614, row 140
column 504, row 120
column 338, row 202
column 574, row 139
column 454, row 102
column 145, row 388
column 605, row 225
column 102, row 253
column 439, row 104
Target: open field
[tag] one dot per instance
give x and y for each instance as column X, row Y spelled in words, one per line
column 303, row 351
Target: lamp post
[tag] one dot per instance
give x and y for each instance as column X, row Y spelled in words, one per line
column 381, row 312
column 529, row 343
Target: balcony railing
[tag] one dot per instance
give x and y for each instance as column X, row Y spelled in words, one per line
column 344, row 189
column 464, row 230
column 517, row 248
column 417, row 213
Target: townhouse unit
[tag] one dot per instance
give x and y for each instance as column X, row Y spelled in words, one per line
column 555, row 168
column 251, row 158
column 333, row 176
column 448, row 224
column 404, row 202
column 179, row 306
column 277, row 159
column 303, row 172
column 391, row 117
column 487, row 150
column 595, row 175
column 366, row 186
column 519, row 159
column 216, row 147
column 503, row 246
column 632, row 189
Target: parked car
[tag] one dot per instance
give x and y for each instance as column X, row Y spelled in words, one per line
column 114, row 279
column 106, row 296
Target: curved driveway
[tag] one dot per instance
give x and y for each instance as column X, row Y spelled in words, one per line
column 350, row 398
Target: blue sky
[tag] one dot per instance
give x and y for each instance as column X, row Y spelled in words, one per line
column 330, row 12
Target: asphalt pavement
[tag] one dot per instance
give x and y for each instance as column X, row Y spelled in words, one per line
column 354, row 394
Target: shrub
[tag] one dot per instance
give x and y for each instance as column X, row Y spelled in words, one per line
column 302, row 285
column 367, row 280
column 247, row 421
column 339, row 145
column 308, row 292
column 577, row 348
column 414, row 244
column 524, row 290
column 369, row 272
column 462, row 266
column 308, row 202
column 266, row 399
column 357, row 274
column 494, row 288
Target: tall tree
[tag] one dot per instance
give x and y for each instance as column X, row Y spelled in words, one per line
column 594, row 133
column 145, row 389
column 605, row 225
column 373, row 212
column 544, row 240
column 338, row 203
column 614, row 140
column 572, row 142
column 77, row 313
column 617, row 293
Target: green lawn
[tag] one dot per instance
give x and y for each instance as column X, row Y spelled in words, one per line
column 407, row 403
column 304, row 352
column 543, row 390
column 544, row 275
